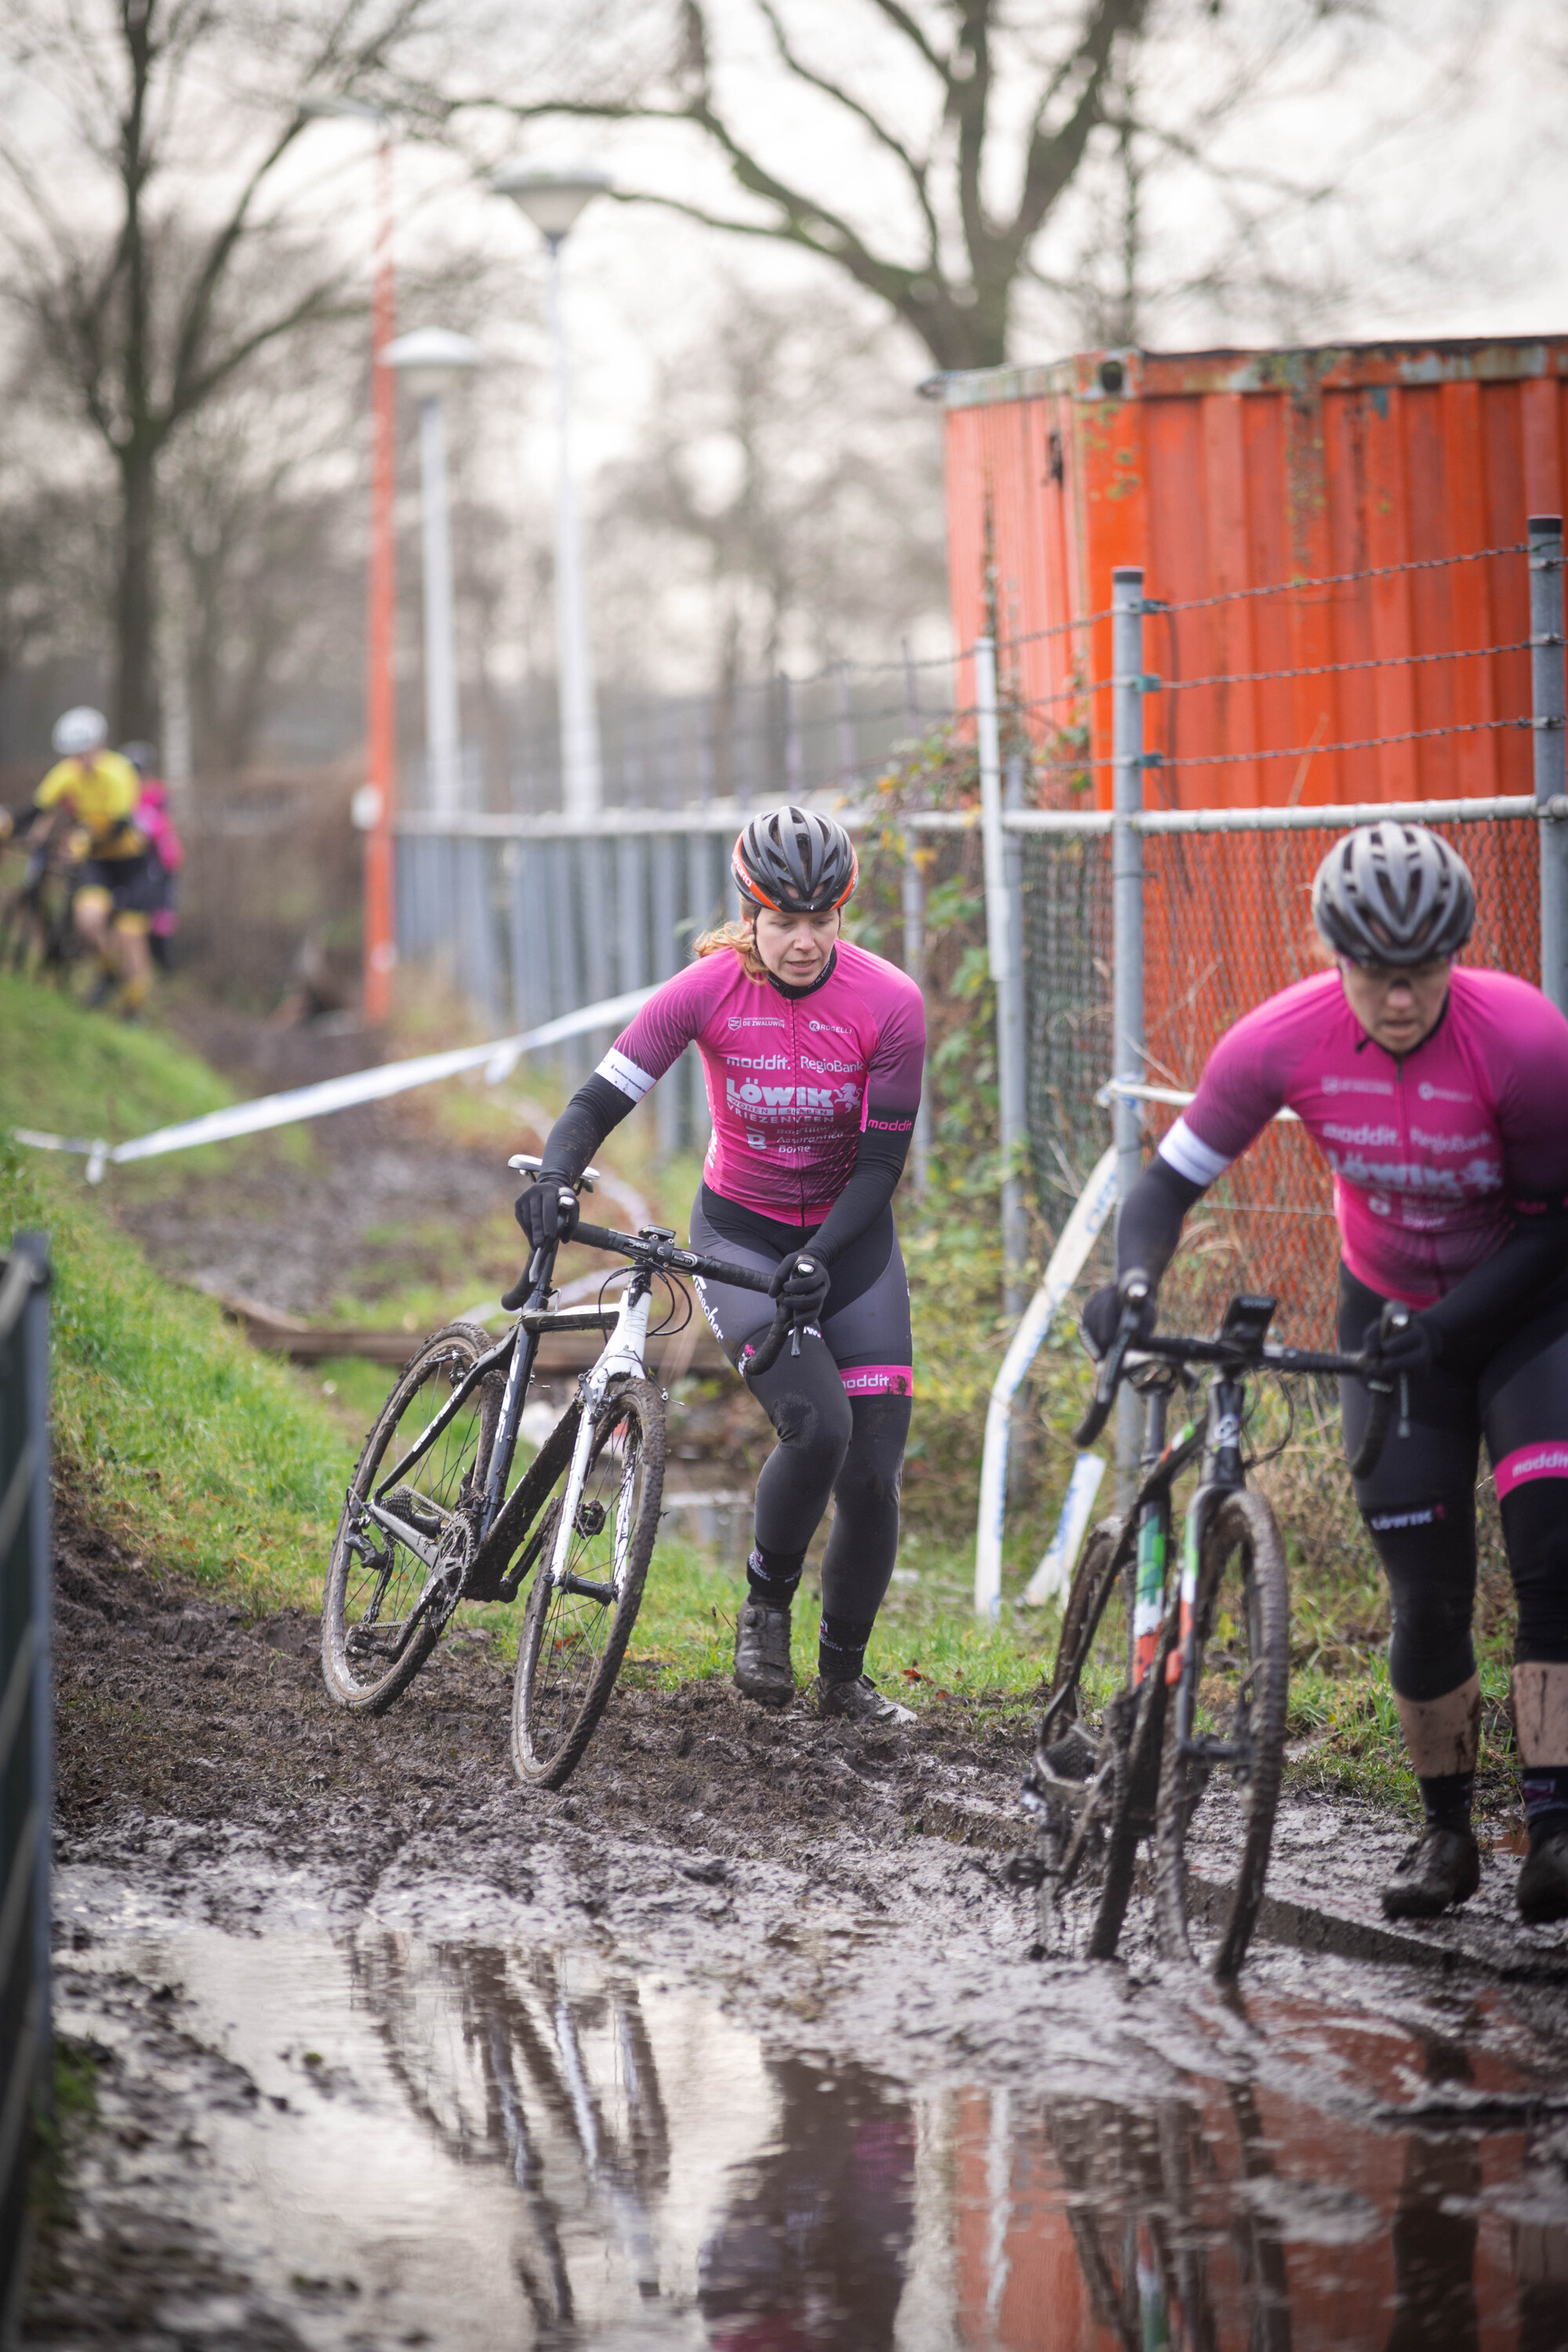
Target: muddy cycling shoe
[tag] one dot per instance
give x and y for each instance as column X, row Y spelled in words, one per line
column 762, row 1654
column 1075, row 1756
column 857, row 1702
column 1541, row 1893
column 1440, row 1869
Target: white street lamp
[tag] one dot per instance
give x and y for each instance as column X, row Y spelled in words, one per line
column 553, row 201
column 428, row 363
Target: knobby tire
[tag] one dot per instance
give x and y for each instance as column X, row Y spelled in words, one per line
column 367, row 1661
column 1100, row 1571
column 1242, row 1540
column 573, row 1644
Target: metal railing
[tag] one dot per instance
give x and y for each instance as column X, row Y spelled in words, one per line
column 25, row 1740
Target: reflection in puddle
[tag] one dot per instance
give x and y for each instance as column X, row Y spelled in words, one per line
column 506, row 2145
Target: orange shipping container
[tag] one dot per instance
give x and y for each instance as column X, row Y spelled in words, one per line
column 1225, row 471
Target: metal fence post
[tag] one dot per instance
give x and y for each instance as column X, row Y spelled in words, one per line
column 915, row 965
column 1004, row 954
column 1127, row 923
column 1550, row 736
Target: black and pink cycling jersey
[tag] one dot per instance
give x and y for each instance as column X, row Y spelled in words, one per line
column 1435, row 1154
column 794, row 1080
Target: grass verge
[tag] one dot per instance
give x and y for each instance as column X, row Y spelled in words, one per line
column 192, row 1452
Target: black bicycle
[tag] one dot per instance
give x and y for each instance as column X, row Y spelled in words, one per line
column 38, row 938
column 1168, row 1688
column 439, row 1511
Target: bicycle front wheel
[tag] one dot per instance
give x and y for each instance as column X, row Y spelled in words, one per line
column 382, row 1616
column 579, row 1623
column 1241, row 1637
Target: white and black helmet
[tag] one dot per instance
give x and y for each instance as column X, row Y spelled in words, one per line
column 80, row 731
column 1393, row 894
column 795, row 861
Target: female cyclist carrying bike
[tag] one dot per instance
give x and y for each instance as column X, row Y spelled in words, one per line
column 813, row 1051
column 1439, row 1097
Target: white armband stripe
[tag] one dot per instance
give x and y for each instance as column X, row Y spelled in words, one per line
column 624, row 1075
column 1190, row 1156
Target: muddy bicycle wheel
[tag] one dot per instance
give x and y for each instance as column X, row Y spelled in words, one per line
column 381, row 1617
column 1241, row 1632
column 578, row 1624
column 1092, row 1809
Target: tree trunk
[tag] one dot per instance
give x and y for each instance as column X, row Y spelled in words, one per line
column 135, row 707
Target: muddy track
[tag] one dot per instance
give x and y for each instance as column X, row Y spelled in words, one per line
column 802, row 1878
column 170, row 1704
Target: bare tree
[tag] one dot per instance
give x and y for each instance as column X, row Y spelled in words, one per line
column 784, row 492
column 991, row 110
column 951, row 156
column 142, row 165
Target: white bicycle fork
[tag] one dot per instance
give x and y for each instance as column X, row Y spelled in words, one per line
column 623, row 1355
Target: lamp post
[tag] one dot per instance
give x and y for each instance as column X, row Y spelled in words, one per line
column 553, row 201
column 381, row 703
column 428, row 363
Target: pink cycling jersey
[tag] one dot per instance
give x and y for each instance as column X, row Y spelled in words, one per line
column 793, row 1081
column 1433, row 1155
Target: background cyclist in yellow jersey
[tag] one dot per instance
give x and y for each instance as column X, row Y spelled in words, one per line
column 117, row 889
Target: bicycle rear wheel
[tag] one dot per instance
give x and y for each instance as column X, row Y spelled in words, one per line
column 381, row 1615
column 1091, row 1815
column 577, row 1627
column 1241, row 1634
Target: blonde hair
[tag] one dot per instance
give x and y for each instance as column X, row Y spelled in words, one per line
column 743, row 939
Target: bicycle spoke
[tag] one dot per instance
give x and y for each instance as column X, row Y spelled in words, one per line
column 387, row 1602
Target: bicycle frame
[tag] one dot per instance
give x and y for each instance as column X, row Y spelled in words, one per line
column 504, row 1518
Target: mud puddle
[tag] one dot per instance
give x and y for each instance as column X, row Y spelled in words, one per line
column 365, row 2135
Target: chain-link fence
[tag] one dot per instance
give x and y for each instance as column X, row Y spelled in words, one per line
column 1221, row 919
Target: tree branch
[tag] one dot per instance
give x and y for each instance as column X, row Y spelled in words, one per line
column 917, row 170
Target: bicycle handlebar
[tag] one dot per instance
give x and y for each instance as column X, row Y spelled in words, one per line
column 1241, row 1355
column 658, row 1248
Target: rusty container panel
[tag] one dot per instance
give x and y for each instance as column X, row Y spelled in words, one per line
column 1227, row 472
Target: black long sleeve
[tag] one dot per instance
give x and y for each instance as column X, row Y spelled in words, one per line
column 1150, row 1225
column 593, row 1111
column 1498, row 1292
column 873, row 1180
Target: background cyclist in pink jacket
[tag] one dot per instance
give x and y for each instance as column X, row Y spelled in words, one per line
column 813, row 1051
column 1440, row 1098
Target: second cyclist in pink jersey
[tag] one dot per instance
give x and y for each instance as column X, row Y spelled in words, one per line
column 813, row 1051
column 1439, row 1097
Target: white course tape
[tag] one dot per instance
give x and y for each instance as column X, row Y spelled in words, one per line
column 1054, row 1573
column 1093, row 1206
column 497, row 1060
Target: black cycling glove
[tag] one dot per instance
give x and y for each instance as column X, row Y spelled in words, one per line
column 549, row 1210
column 806, row 1291
column 1102, row 1319
column 1412, row 1349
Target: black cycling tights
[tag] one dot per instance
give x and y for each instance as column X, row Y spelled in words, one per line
column 1419, row 1502
column 832, row 1446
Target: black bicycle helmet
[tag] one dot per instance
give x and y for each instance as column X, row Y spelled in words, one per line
column 1393, row 894
column 795, row 861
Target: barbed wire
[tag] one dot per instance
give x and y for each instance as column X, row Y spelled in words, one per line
column 1327, row 751
column 1336, row 669
column 1335, row 579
